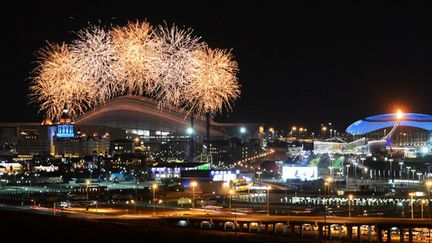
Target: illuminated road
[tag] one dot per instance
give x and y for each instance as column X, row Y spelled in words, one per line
column 206, row 214
column 340, row 226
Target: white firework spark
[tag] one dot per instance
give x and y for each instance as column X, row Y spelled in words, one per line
column 136, row 50
column 96, row 60
column 214, row 84
column 168, row 63
column 172, row 66
column 56, row 83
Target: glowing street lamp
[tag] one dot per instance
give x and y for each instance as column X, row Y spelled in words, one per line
column 154, row 186
column 231, row 192
column 243, row 130
column 325, row 187
column 268, row 200
column 193, row 184
column 328, row 182
column 323, row 130
column 271, row 130
column 87, row 188
column 350, row 199
column 412, row 194
column 422, row 202
column 133, row 202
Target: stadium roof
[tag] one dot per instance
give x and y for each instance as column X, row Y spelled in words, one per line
column 136, row 112
column 377, row 122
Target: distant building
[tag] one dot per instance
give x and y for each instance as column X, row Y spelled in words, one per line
column 233, row 150
column 122, row 146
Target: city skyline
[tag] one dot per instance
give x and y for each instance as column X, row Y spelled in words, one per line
column 321, row 70
column 182, row 122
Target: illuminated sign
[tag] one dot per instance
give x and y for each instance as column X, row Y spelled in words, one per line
column 302, row 173
column 65, row 131
column 225, row 176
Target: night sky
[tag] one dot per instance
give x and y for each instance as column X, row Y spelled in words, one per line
column 298, row 66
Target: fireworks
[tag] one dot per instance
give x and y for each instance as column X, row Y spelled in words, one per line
column 173, row 72
column 56, row 83
column 169, row 64
column 214, row 82
column 96, row 61
column 136, row 50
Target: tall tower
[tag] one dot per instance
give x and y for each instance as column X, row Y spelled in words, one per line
column 65, row 128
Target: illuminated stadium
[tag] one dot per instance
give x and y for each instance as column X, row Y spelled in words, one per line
column 141, row 116
column 374, row 123
column 398, row 130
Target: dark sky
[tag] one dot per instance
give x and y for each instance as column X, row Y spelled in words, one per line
column 298, row 65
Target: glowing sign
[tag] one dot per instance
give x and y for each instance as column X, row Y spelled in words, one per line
column 65, row 131
column 302, row 173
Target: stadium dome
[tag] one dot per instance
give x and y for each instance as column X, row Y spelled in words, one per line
column 136, row 112
column 382, row 121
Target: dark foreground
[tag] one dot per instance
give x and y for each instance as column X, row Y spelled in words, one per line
column 26, row 227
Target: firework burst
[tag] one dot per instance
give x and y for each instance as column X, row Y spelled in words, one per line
column 214, row 81
column 136, row 50
column 167, row 63
column 96, row 61
column 172, row 66
column 56, row 83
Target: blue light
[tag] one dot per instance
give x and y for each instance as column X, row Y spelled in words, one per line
column 378, row 122
column 65, row 131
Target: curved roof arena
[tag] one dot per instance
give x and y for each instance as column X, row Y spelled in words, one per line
column 137, row 112
column 378, row 122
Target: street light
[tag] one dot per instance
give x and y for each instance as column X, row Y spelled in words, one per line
column 350, row 198
column 87, row 188
column 419, row 174
column 293, row 129
column 412, row 194
column 355, row 169
column 133, row 202
column 323, row 130
column 400, row 171
column 154, row 186
column 268, row 200
column 328, row 182
column 347, row 174
column 193, row 184
column 391, row 170
column 242, row 130
column 422, row 203
column 231, row 192
column 325, row 187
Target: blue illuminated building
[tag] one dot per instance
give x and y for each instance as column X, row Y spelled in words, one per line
column 413, row 129
column 65, row 128
column 374, row 123
column 65, row 131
